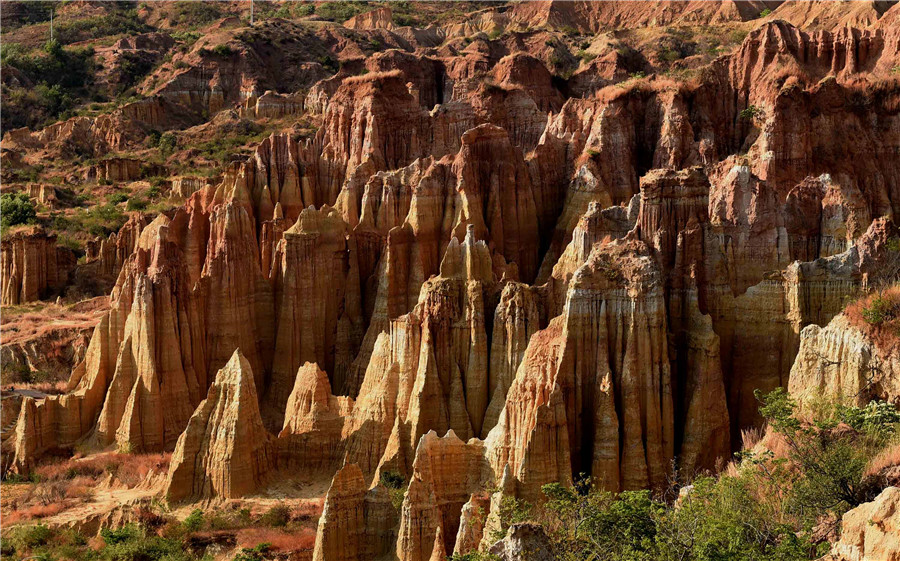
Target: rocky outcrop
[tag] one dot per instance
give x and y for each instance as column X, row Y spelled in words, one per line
column 341, row 532
column 225, row 451
column 160, row 351
column 356, row 521
column 51, row 351
column 271, row 105
column 43, row 194
column 112, row 252
column 445, row 474
column 843, row 361
column 146, row 351
column 870, row 531
column 33, row 267
column 318, row 317
column 376, row 19
column 117, row 170
column 313, row 423
column 524, row 542
column 590, row 17
column 599, row 370
column 185, row 186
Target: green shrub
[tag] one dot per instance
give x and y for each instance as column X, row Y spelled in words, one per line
column 594, row 523
column 121, row 535
column 750, row 113
column 194, row 521
column 61, row 78
column 195, row 14
column 512, row 511
column 26, row 537
column 136, row 204
column 277, row 516
column 877, row 418
column 186, row 37
column 15, row 209
column 139, row 546
column 341, row 11
column 116, row 22
column 765, row 12
column 117, row 198
column 132, row 68
column 257, row 553
column 391, row 479
column 396, row 487
column 880, row 309
column 167, row 144
column 724, row 519
column 223, row 50
column 831, row 464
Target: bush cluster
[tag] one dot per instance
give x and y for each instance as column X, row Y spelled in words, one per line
column 16, row 209
column 60, row 78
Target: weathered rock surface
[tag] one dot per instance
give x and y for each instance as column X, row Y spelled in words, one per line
column 313, row 423
column 476, row 272
column 33, row 267
column 870, row 531
column 225, row 451
column 356, row 521
column 524, row 542
column 842, row 361
column 446, row 472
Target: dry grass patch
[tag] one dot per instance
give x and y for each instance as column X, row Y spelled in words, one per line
column 128, row 469
column 887, row 458
column 280, row 540
column 372, row 77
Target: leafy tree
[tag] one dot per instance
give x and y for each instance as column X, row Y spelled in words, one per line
column 831, row 462
column 15, row 209
column 728, row 519
column 587, row 523
column 167, row 144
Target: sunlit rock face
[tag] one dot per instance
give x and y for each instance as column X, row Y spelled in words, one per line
column 450, row 272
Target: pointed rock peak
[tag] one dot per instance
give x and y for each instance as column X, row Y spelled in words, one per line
column 225, row 450
column 341, row 533
column 237, row 374
column 438, row 551
column 278, row 213
column 348, row 480
column 311, row 377
column 311, row 395
column 470, row 260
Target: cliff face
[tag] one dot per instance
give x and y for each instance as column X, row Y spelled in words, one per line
column 841, row 360
column 33, row 267
column 469, row 278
